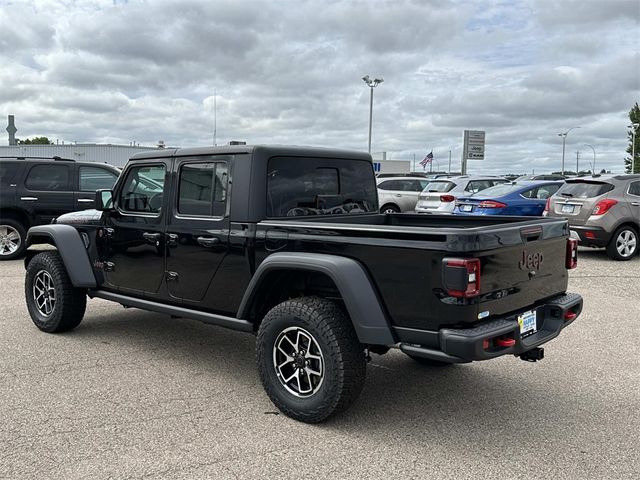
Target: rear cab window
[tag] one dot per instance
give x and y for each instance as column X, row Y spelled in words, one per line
column 320, row 186
column 584, row 189
column 202, row 189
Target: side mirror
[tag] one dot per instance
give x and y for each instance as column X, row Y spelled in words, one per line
column 104, row 200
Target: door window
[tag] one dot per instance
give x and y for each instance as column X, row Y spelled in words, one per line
column 95, row 178
column 48, row 178
column 143, row 189
column 634, row 189
column 476, row 186
column 203, row 189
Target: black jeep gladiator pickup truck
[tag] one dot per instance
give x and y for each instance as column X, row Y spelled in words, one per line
column 288, row 243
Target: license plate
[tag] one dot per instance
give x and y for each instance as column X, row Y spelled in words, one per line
column 528, row 323
column 466, row 208
column 567, row 209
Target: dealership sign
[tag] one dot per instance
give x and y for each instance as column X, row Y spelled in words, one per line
column 473, row 148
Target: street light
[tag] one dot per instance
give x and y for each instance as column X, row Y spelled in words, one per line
column 564, row 139
column 371, row 84
column 634, row 129
column 593, row 167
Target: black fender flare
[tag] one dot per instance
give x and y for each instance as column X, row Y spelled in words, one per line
column 354, row 284
column 71, row 249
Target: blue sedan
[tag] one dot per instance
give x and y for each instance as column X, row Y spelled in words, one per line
column 516, row 198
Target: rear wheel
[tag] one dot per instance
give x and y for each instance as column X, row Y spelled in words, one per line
column 623, row 244
column 310, row 361
column 12, row 239
column 390, row 209
column 54, row 304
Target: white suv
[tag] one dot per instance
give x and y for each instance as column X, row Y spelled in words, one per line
column 440, row 195
column 399, row 194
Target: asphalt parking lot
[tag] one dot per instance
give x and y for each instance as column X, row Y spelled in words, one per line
column 132, row 394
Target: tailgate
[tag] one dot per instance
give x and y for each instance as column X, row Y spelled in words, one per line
column 515, row 277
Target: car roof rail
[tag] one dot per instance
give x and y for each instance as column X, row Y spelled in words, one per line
column 26, row 157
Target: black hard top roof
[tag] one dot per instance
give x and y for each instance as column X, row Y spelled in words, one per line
column 270, row 150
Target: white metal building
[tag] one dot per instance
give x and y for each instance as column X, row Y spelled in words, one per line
column 116, row 155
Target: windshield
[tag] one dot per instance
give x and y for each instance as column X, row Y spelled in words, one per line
column 584, row 189
column 319, row 186
column 498, row 190
column 440, row 186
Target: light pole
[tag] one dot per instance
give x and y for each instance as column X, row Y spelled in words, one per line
column 634, row 129
column 564, row 139
column 593, row 167
column 371, row 83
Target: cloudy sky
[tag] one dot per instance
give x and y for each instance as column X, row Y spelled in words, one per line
column 290, row 72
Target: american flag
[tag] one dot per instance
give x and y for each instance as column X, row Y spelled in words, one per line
column 427, row 159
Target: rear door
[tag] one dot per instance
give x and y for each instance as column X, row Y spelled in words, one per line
column 198, row 230
column 89, row 179
column 46, row 192
column 408, row 196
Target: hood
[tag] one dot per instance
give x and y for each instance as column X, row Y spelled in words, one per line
column 84, row 217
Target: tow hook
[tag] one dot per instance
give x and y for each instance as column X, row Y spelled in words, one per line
column 533, row 355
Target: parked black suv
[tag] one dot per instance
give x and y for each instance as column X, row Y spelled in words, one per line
column 287, row 243
column 33, row 191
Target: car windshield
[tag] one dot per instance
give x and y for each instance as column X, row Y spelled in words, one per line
column 498, row 190
column 584, row 189
column 439, row 186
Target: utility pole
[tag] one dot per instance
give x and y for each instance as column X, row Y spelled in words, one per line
column 564, row 140
column 215, row 117
column 634, row 128
column 371, row 83
column 577, row 161
column 449, row 162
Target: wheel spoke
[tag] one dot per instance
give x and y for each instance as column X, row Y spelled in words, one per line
column 288, row 359
column 13, row 236
column 3, row 230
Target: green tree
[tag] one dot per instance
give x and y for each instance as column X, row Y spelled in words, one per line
column 36, row 141
column 634, row 117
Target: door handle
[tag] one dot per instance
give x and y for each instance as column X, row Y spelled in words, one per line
column 172, row 239
column 151, row 237
column 208, row 241
column 397, row 194
column 85, row 200
column 29, row 199
column 635, row 204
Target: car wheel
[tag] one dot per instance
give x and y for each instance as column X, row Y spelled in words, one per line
column 310, row 361
column 12, row 239
column 389, row 209
column 428, row 361
column 54, row 304
column 623, row 244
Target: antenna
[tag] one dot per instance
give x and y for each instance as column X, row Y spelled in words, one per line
column 215, row 117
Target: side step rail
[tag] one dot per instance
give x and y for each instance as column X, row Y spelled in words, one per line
column 210, row 318
column 437, row 355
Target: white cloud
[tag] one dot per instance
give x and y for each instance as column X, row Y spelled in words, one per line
column 289, row 72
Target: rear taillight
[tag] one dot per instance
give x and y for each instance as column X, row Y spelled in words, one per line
column 447, row 198
column 547, row 207
column 461, row 277
column 571, row 260
column 491, row 204
column 603, row 206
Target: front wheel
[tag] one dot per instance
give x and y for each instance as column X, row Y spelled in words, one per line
column 54, row 304
column 623, row 244
column 310, row 361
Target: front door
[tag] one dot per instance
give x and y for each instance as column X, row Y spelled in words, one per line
column 198, row 230
column 134, row 262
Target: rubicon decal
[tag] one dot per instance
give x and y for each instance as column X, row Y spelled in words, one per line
column 531, row 261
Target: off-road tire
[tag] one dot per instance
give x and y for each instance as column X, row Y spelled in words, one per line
column 70, row 302
column 22, row 232
column 612, row 247
column 344, row 358
column 428, row 361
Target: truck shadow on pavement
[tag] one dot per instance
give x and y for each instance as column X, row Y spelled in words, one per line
column 401, row 398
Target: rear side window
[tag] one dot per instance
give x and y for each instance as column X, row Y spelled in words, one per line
column 203, row 189
column 439, row 186
column 48, row 178
column 634, row 188
column 8, row 172
column 584, row 189
column 475, row 186
column 319, row 186
column 95, row 178
column 390, row 185
column 143, row 189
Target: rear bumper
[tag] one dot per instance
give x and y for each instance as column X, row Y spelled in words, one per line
column 459, row 345
column 600, row 236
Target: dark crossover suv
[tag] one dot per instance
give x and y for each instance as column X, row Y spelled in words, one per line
column 33, row 191
column 602, row 212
